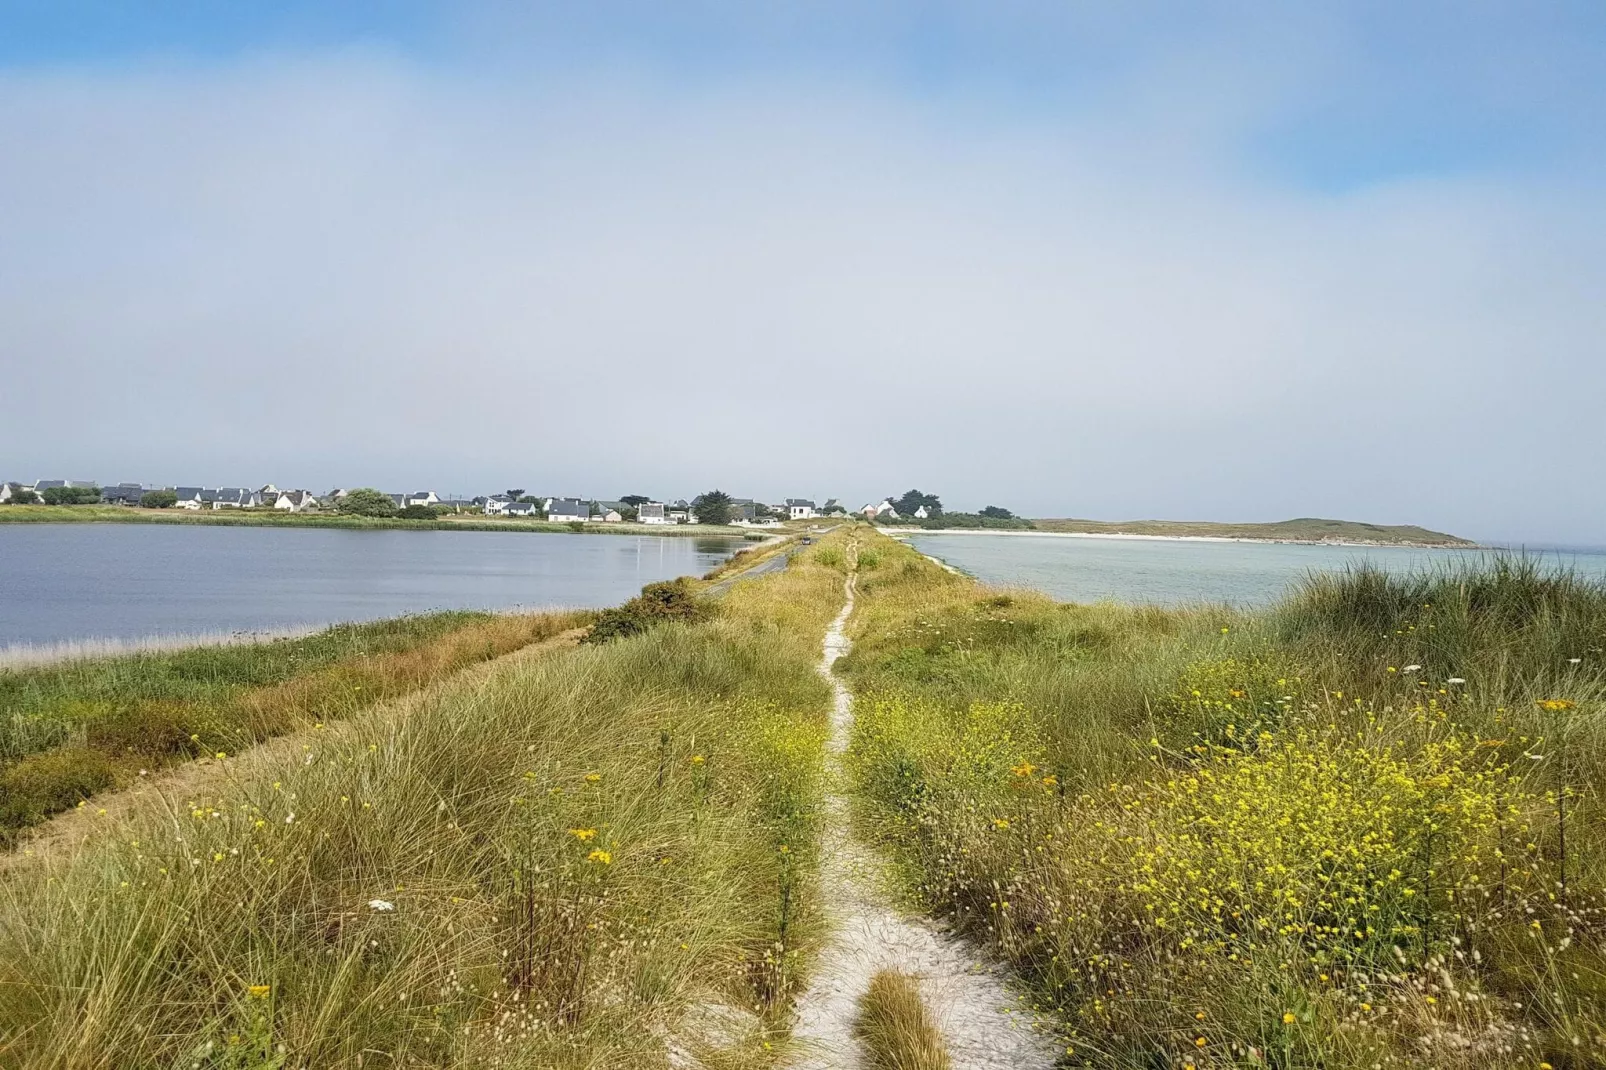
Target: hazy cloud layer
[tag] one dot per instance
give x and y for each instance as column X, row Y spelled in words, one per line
column 350, row 267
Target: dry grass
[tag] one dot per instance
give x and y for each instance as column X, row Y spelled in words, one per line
column 77, row 730
column 896, row 1028
column 558, row 863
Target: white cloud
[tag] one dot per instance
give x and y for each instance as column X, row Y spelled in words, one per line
column 352, row 269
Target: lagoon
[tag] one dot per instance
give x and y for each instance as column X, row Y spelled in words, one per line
column 67, row 582
column 1181, row 571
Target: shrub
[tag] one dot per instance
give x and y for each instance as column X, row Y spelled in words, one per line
column 47, row 783
column 23, row 497
column 158, row 499
column 366, row 501
column 71, row 495
column 897, row 1029
column 657, row 603
column 418, row 512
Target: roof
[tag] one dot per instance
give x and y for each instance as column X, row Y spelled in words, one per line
column 650, row 509
column 187, row 494
column 569, row 507
column 794, row 502
column 46, row 484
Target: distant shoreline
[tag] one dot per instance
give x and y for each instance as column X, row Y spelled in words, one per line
column 1359, row 543
column 89, row 514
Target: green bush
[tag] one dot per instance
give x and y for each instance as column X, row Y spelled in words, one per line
column 656, row 604
column 418, row 512
column 23, row 497
column 366, row 501
column 48, row 783
column 71, row 495
column 158, row 499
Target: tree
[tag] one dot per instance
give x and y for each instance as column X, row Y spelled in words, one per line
column 635, row 500
column 366, row 501
column 530, row 499
column 71, row 495
column 515, row 493
column 913, row 499
column 997, row 512
column 158, row 499
column 712, row 508
column 23, row 497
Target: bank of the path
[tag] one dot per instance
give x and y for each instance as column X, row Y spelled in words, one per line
column 977, row 1014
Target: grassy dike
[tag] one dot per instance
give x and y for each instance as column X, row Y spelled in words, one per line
column 591, row 858
column 1362, row 829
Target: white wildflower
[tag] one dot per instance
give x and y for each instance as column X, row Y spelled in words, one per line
column 383, row 906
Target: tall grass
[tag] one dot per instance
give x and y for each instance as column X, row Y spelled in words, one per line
column 71, row 730
column 896, row 1028
column 1216, row 839
column 559, row 864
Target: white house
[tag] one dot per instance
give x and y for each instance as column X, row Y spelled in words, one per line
column 651, row 513
column 611, row 516
column 189, row 497
column 920, row 513
column 885, row 510
column 497, row 504
column 799, row 508
column 522, row 509
column 421, row 497
column 564, row 509
column 234, row 498
column 11, row 490
column 294, row 501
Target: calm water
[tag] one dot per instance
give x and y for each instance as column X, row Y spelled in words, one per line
column 74, row 581
column 1170, row 572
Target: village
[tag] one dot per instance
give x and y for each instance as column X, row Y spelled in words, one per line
column 511, row 503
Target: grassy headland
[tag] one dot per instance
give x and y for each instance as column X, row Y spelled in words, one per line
column 587, row 859
column 115, row 514
column 1305, row 529
column 1361, row 829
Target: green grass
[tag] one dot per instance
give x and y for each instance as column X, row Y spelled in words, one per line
column 567, row 862
column 1305, row 529
column 1257, row 839
column 70, row 730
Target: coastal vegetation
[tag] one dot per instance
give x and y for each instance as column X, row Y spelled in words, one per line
column 72, row 730
column 1358, row 830
column 896, row 1027
column 600, row 857
column 1305, row 529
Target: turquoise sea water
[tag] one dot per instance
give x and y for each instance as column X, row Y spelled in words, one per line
column 1171, row 572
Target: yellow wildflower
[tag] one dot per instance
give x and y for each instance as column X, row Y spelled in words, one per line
column 696, row 759
column 593, row 778
column 600, row 857
column 1288, row 1018
column 583, row 834
column 259, row 991
column 1556, row 705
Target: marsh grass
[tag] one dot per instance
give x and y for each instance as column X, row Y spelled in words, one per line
column 71, row 730
column 895, row 1027
column 560, row 863
column 1212, row 839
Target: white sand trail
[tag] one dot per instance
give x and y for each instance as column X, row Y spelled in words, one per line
column 965, row 993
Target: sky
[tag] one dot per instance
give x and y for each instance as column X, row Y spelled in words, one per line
column 1211, row 261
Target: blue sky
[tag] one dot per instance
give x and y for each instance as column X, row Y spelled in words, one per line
column 1102, row 260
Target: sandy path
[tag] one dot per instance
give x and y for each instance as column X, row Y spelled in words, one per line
column 965, row 993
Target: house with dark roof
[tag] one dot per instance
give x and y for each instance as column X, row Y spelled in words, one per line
column 566, row 509
column 235, row 498
column 421, row 497
column 122, row 494
column 9, row 491
column 497, row 504
column 190, row 497
column 651, row 513
column 799, row 508
column 522, row 509
column 294, row 501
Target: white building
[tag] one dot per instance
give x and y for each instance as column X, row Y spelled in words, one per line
column 651, row 513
